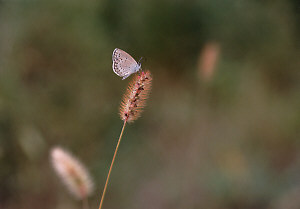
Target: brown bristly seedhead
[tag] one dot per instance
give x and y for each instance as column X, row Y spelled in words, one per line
column 135, row 97
column 72, row 173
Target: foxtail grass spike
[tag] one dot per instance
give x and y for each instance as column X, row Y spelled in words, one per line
column 135, row 97
column 72, row 173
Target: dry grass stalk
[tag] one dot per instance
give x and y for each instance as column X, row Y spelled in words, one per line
column 131, row 107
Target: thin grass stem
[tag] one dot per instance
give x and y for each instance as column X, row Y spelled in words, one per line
column 85, row 203
column 111, row 165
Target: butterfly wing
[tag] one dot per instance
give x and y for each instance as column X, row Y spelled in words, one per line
column 123, row 63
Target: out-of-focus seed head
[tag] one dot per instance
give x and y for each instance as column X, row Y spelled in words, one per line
column 208, row 60
column 72, row 173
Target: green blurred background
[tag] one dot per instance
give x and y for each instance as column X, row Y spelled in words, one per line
column 221, row 127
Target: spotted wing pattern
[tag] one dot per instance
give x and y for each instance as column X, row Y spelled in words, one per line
column 123, row 63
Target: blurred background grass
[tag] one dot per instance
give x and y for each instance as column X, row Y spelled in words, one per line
column 221, row 128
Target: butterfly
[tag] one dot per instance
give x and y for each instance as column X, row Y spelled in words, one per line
column 123, row 64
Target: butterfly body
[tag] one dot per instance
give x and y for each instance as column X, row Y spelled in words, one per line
column 123, row 64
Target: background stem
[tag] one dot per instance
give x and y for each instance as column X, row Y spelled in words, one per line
column 85, row 203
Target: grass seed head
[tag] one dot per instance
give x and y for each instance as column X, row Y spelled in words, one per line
column 72, row 173
column 135, row 97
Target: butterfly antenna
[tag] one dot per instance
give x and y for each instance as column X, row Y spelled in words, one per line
column 140, row 59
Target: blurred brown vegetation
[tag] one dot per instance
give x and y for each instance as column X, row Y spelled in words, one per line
column 230, row 141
